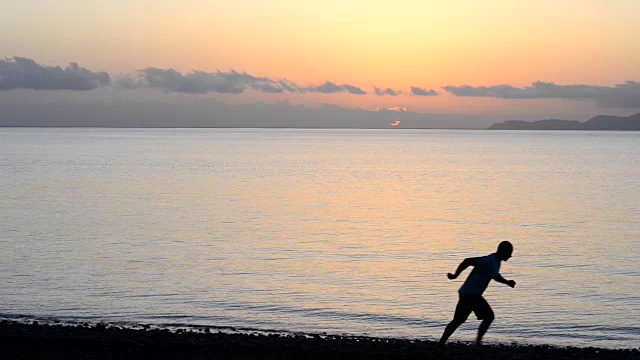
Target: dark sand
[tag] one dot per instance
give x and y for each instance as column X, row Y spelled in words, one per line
column 21, row 341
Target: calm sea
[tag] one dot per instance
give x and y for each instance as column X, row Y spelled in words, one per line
column 337, row 231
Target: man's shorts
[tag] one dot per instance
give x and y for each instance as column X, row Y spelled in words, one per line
column 475, row 303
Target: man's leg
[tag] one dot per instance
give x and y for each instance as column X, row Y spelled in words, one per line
column 484, row 312
column 463, row 309
column 453, row 325
column 484, row 326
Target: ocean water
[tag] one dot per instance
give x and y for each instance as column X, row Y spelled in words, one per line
column 337, row 231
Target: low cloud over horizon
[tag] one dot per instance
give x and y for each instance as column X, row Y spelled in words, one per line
column 626, row 95
column 388, row 91
column 231, row 82
column 25, row 73
column 423, row 92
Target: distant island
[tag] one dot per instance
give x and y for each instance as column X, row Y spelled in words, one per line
column 600, row 122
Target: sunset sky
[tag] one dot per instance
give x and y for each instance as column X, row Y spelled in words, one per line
column 540, row 49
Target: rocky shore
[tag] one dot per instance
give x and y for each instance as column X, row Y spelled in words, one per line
column 44, row 341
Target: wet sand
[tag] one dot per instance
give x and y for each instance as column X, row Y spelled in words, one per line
column 22, row 341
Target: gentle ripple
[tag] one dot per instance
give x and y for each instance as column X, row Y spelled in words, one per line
column 338, row 231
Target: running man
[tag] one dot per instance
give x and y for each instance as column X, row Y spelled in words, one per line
column 484, row 269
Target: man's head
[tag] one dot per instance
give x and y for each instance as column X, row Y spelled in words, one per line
column 505, row 249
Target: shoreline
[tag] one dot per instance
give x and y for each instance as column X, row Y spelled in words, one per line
column 64, row 341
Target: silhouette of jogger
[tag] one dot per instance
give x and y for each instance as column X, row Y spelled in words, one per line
column 484, row 269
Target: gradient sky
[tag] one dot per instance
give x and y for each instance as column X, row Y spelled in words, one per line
column 365, row 43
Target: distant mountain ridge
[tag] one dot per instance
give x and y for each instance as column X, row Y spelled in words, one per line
column 600, row 122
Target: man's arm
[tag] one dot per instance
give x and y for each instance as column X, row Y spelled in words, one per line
column 463, row 265
column 502, row 280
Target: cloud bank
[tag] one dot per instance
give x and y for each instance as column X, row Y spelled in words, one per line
column 24, row 73
column 329, row 87
column 232, row 82
column 423, row 92
column 626, row 95
column 200, row 82
column 387, row 91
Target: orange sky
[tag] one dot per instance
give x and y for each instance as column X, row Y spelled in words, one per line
column 365, row 43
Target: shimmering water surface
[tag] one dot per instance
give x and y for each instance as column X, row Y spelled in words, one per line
column 338, row 231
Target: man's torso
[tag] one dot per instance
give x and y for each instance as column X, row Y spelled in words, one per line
column 485, row 269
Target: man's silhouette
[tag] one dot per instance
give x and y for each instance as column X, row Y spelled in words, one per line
column 484, row 269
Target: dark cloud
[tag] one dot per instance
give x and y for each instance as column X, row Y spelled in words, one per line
column 625, row 95
column 24, row 73
column 328, row 88
column 423, row 92
column 387, row 91
column 200, row 82
column 232, row 82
